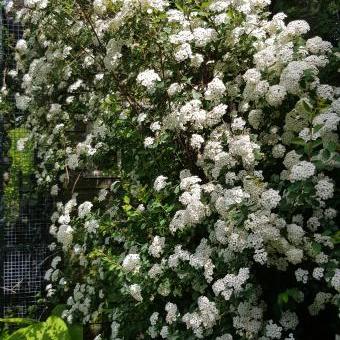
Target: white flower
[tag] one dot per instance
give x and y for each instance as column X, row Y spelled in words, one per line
column 255, row 118
column 174, row 88
column 273, row 331
column 54, row 190
column 335, row 282
column 65, row 235
column 164, row 332
column 325, row 92
column 102, row 195
column 115, row 330
column 295, row 233
column 9, row 6
column 76, row 85
column 238, row 124
column 215, row 90
column 155, row 270
column 301, row 275
column 155, row 126
column 295, row 255
column 148, row 79
column 318, row 46
column 196, row 141
column 297, row 27
column 291, row 159
column 84, row 209
column 21, row 46
column 157, row 246
column 270, row 199
column 148, row 142
column 324, row 189
column 131, row 263
column 292, row 74
column 154, row 318
column 22, row 101
column 302, row 171
column 21, row 143
column 230, row 197
column 196, row 60
column 276, row 95
column 72, row 161
column 328, row 120
column 40, row 4
column 278, row 151
column 136, row 292
column 183, row 52
column 91, row 226
column 172, row 313
column 203, row 36
column 289, row 320
column 318, row 273
column 141, row 118
column 160, row 5
column 160, row 183
column 226, row 336
column 181, row 37
column 261, row 256
column 99, row 6
column 252, row 76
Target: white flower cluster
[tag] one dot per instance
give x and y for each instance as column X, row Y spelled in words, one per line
column 131, row 263
column 231, row 284
column 160, row 183
column 195, row 210
column 205, row 318
column 148, row 79
column 157, row 246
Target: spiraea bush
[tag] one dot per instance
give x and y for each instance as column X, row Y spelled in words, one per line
column 221, row 222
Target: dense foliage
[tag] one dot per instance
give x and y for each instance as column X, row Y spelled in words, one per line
column 220, row 221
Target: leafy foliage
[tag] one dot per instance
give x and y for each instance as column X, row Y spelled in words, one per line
column 54, row 328
column 21, row 167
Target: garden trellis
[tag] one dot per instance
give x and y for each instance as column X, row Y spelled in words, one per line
column 24, row 212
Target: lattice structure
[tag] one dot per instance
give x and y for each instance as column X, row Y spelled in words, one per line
column 24, row 216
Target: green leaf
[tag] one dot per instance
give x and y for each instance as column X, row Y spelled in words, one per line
column 56, row 329
column 326, row 155
column 307, row 106
column 76, row 332
column 179, row 6
column 18, row 321
column 336, row 237
column 32, row 332
column 283, row 298
column 331, row 146
column 206, row 4
column 57, row 310
column 317, row 247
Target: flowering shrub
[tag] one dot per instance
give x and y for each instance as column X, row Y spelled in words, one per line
column 221, row 221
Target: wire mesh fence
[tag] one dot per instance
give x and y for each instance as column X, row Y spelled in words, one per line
column 24, row 212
